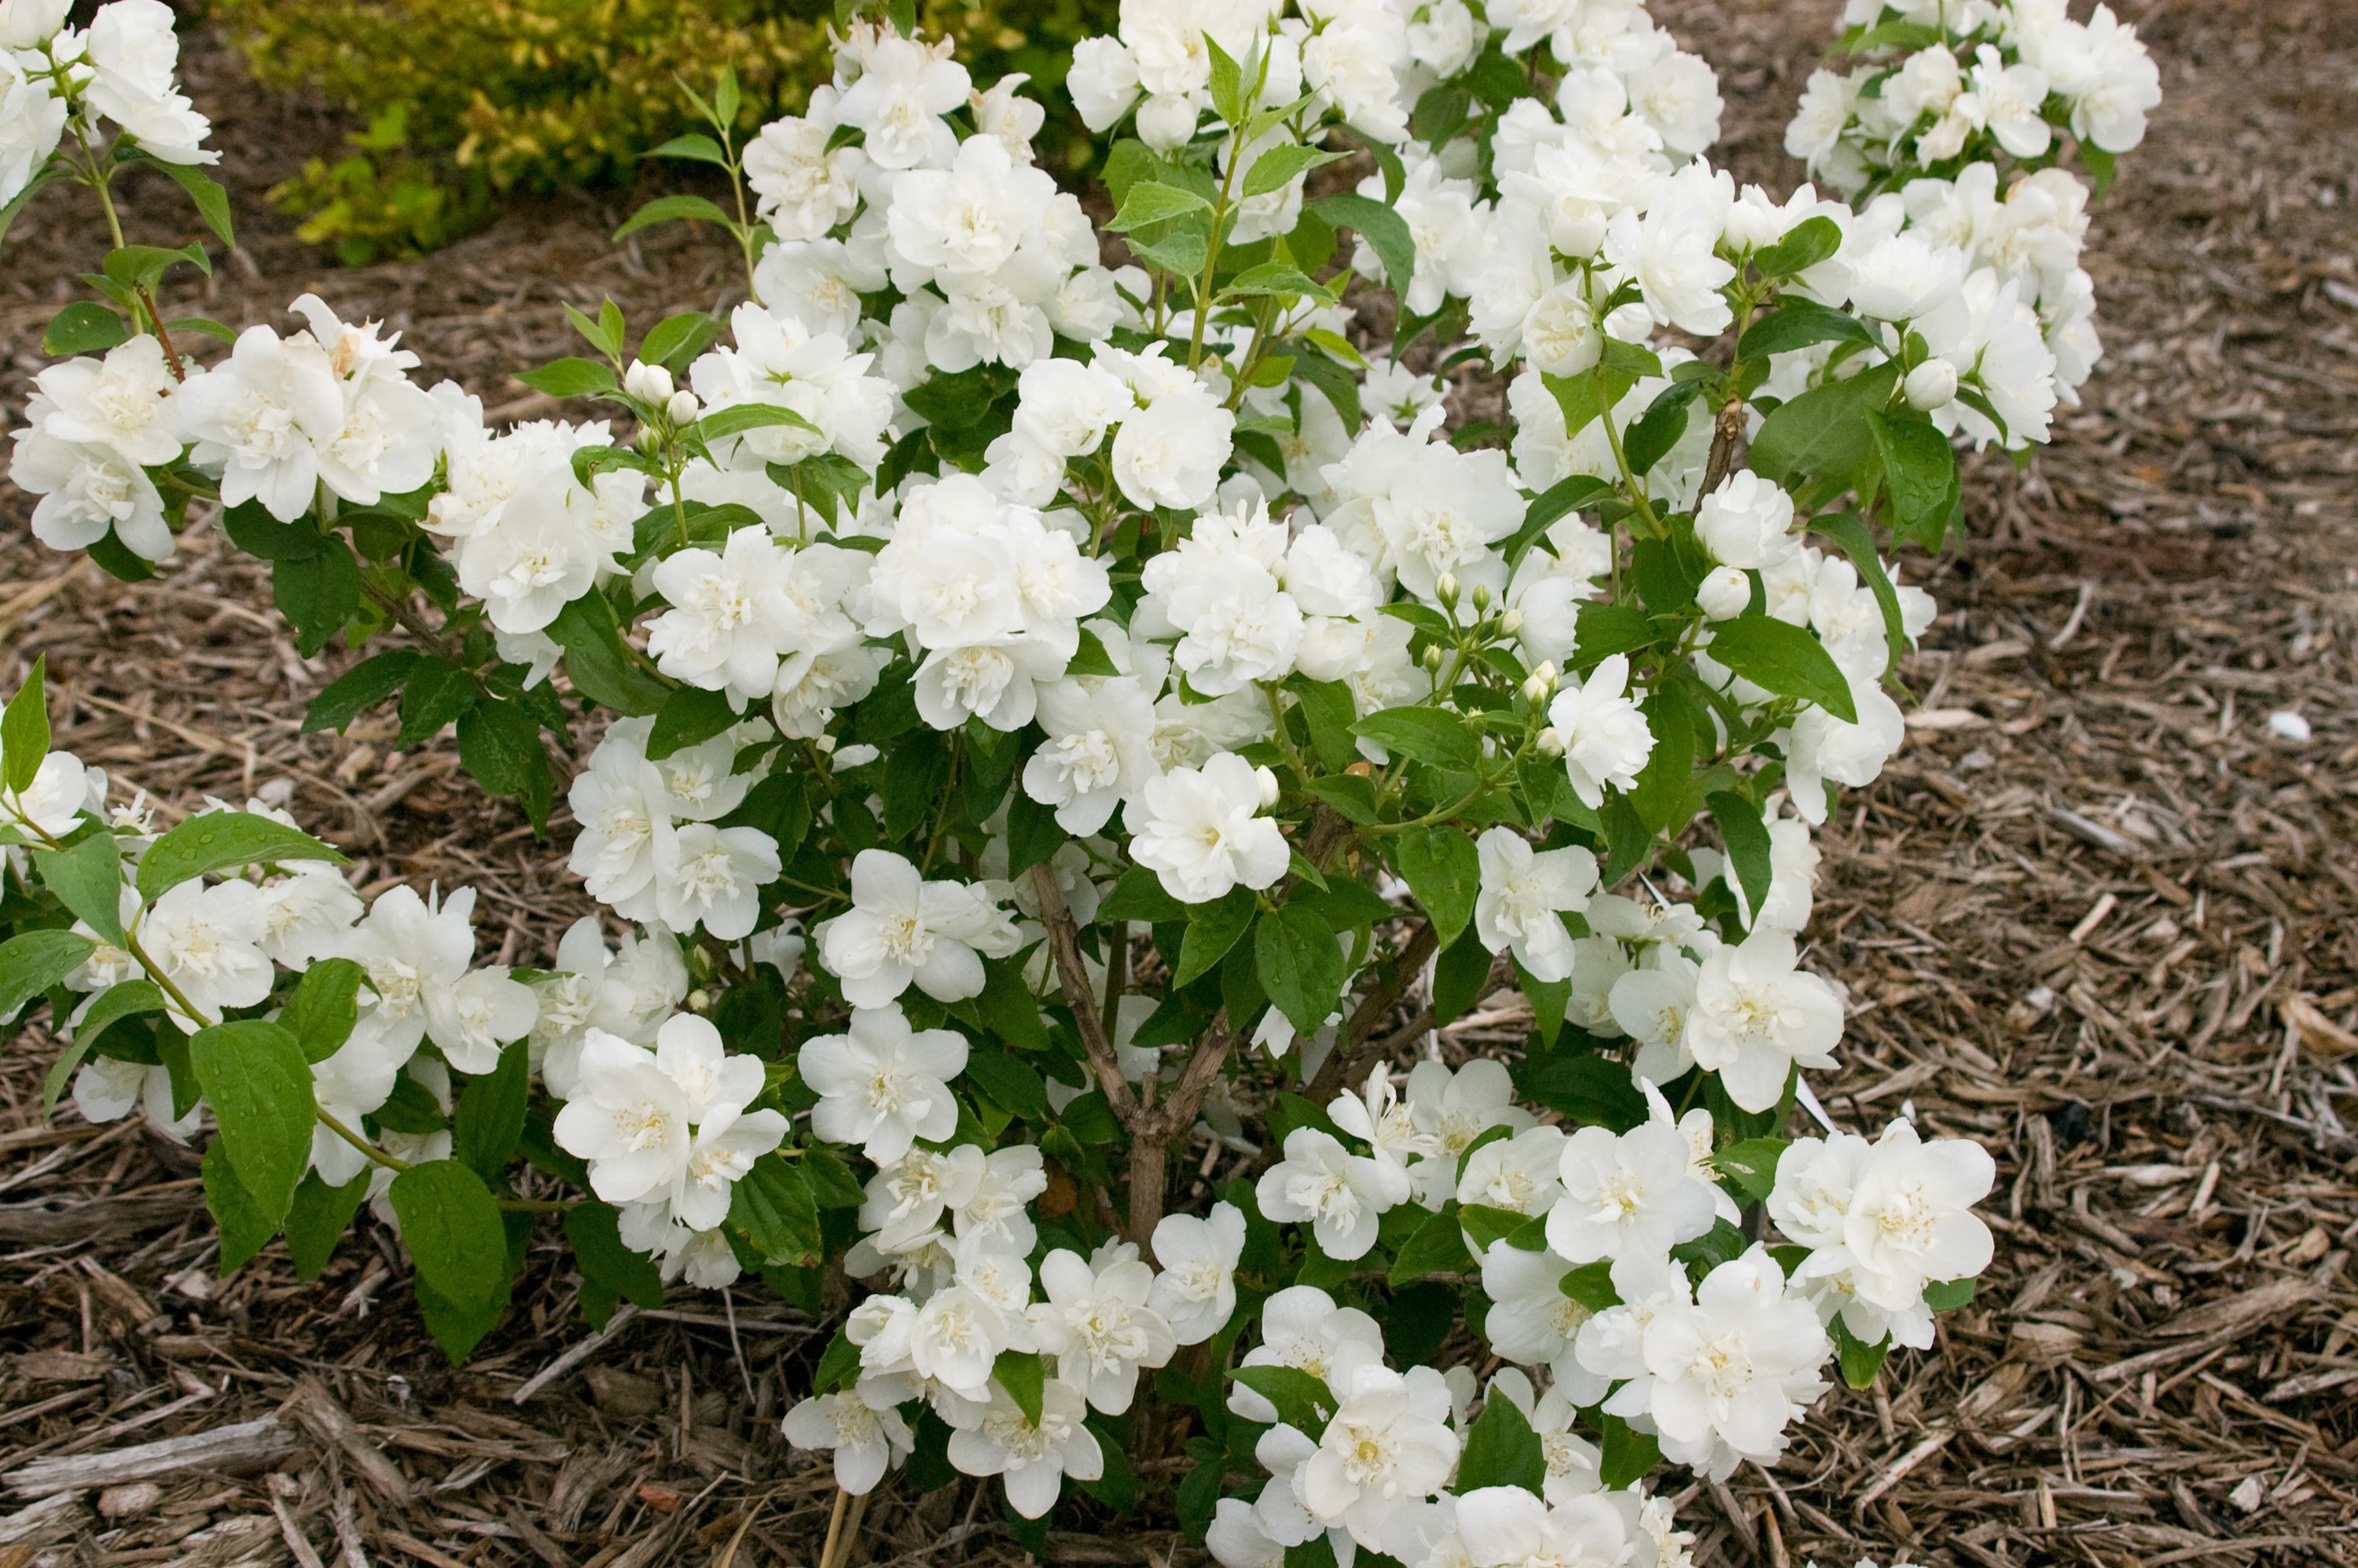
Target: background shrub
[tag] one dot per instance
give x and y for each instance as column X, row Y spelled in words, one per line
column 467, row 99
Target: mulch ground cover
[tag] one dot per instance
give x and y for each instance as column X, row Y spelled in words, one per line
column 2096, row 915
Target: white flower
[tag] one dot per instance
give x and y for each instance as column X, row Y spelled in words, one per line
column 1906, row 1221
column 55, row 800
column 207, row 941
column 120, row 402
column 1522, row 891
column 1098, row 1326
column 993, row 1212
column 903, row 929
column 259, row 417
column 1531, row 1320
column 1341, row 1194
column 729, row 620
column 32, row 118
column 1727, row 1373
column 1453, row 1110
column 1757, row 1015
column 1634, row 1195
column 883, row 1086
column 905, row 89
column 305, row 915
column 868, row 1440
column 1098, row 750
column 1197, row 1291
column 1103, row 82
column 800, row 187
column 106, row 1088
column 972, row 217
column 86, row 492
column 132, row 50
column 1822, row 749
column 1506, row 1527
column 711, row 1082
column 1201, row 832
column 627, row 1118
column 1606, row 739
column 348, row 1085
column 1388, row 1442
column 712, row 877
column 1235, row 1538
column 472, row 1019
column 1376, row 1116
column 1170, row 453
column 1517, row 1173
column 1033, row 1457
column 1746, row 522
column 1652, row 1005
column 956, row 1337
column 1302, row 1328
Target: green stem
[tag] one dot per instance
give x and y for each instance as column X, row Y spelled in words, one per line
column 375, row 1154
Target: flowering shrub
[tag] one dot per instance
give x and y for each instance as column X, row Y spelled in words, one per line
column 463, row 102
column 1053, row 715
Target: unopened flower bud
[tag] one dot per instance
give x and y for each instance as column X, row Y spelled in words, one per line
column 698, row 1000
column 648, row 383
column 1933, row 385
column 1481, row 599
column 1445, row 589
column 682, row 407
column 1510, row 622
column 1433, row 657
column 1540, row 684
column 1724, row 594
column 1267, row 787
column 1550, row 741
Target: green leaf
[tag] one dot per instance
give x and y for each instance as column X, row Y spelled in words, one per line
column 252, row 529
column 1010, row 1012
column 738, row 418
column 1589, row 1089
column 318, row 593
column 680, row 336
column 1797, row 323
column 127, row 999
column 490, row 1114
column 1336, row 384
column 1821, row 433
column 1661, row 795
column 569, row 377
column 318, row 1219
column 1444, row 871
column 1385, row 231
column 1591, row 1285
column 1501, row 1450
column 1352, row 797
column 1019, row 1372
column 689, row 716
column 1212, row 929
column 1585, row 397
column 1458, row 977
column 1016, row 1085
column 1919, row 474
column 1275, row 168
column 1785, row 659
column 1226, row 81
column 87, row 878
column 146, row 264
column 33, row 962
column 25, row 730
column 694, row 145
column 1488, row 1225
column 1751, row 1164
column 1274, row 278
column 609, row 1269
column 439, row 692
column 452, row 1229
column 499, row 745
column 85, row 327
column 260, row 1088
column 1809, row 242
column 1426, row 734
column 1628, row 1456
column 1034, row 835
column 1139, row 895
column 211, row 200
column 1653, row 433
column 1151, row 202
column 1860, row 1360
column 1858, row 545
column 325, row 1006
column 1438, row 1246
column 245, row 1228
column 673, row 209
column 773, row 1206
column 1948, row 1295
column 1304, row 1403
column 359, row 688
column 1746, row 837
column 1300, row 966
column 596, row 662
column 218, row 841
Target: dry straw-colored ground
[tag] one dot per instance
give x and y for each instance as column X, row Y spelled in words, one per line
column 2095, row 915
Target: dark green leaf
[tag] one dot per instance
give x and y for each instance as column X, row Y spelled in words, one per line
column 689, row 716
column 260, row 1087
column 25, row 730
column 318, row 1219
column 1785, row 659
column 1212, row 929
column 245, row 1228
column 1019, row 1372
column 33, row 962
column 490, row 1114
column 318, row 593
column 1589, row 1089
column 1822, row 433
column 1628, row 1456
column 671, row 209
column 127, row 1000
column 85, row 327
column 1016, row 1085
column 1741, row 829
column 1751, row 1165
column 1437, row 1247
column 1797, row 323
column 499, row 744
column 217, row 840
column 359, row 689
column 772, row 1205
column 1427, row 734
column 1444, row 871
column 1860, row 1360
column 598, row 665
column 454, row 1238
column 439, row 692
column 87, row 878
column 1809, row 242
column 609, row 1269
column 1300, row 966
column 1385, row 232
column 1919, row 474
column 1948, row 1295
column 1304, row 1403
column 1501, row 1450
column 678, row 338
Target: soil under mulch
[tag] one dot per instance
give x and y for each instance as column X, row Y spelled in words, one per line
column 2095, row 915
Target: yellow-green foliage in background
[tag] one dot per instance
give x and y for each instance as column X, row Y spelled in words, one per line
column 465, row 101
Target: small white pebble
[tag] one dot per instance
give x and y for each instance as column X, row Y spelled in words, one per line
column 129, row 1502
column 2286, row 724
column 2249, row 1494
